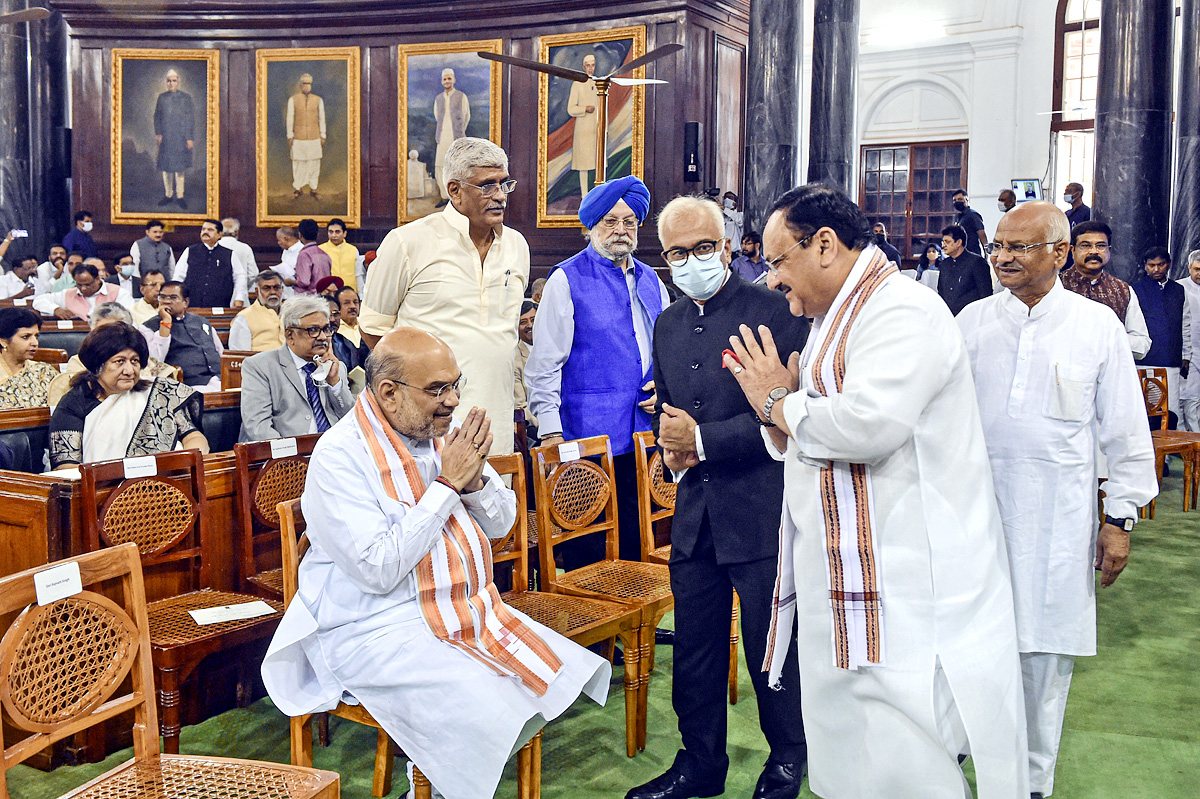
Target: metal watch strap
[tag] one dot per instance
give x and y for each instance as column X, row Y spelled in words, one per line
column 770, row 404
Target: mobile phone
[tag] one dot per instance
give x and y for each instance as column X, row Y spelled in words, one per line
column 731, row 354
column 19, row 234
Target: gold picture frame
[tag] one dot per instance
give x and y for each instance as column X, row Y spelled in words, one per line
column 285, row 191
column 420, row 86
column 559, row 188
column 145, row 111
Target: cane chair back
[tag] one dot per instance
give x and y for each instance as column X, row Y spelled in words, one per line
column 62, row 665
column 1154, row 391
column 264, row 481
column 656, row 497
column 574, row 497
column 514, row 547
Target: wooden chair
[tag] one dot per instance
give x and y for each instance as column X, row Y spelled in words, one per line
column 656, row 502
column 51, row 355
column 529, row 758
column 1168, row 442
column 575, row 498
column 164, row 515
column 265, row 477
column 62, row 664
column 584, row 621
column 231, row 368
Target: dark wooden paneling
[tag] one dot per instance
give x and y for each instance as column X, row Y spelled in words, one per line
column 237, row 29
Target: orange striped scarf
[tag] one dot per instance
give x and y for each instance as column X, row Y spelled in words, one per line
column 454, row 581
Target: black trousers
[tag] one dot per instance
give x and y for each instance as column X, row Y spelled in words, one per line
column 703, row 592
column 589, row 549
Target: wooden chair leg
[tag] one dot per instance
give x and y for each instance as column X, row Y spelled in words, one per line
column 421, row 787
column 381, row 782
column 646, row 634
column 607, row 649
column 525, row 771
column 168, row 708
column 300, row 728
column 323, row 729
column 536, row 766
column 733, row 650
column 1195, row 459
column 633, row 707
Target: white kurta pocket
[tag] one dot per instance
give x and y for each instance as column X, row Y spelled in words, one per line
column 1070, row 397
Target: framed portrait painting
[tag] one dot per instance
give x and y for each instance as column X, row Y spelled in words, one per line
column 165, row 159
column 567, row 119
column 307, row 136
column 446, row 92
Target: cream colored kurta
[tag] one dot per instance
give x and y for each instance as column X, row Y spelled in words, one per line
column 583, row 142
column 1054, row 383
column 428, row 276
column 343, row 257
column 907, row 409
column 141, row 311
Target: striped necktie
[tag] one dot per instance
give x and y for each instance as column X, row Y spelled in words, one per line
column 314, row 398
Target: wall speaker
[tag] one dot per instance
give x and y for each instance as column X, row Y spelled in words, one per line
column 691, row 152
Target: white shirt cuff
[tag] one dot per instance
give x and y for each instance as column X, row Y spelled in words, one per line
column 699, row 444
column 549, row 422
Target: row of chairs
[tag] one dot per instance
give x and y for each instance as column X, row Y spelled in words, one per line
column 1169, row 442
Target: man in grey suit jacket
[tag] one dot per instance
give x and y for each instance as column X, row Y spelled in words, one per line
column 299, row 388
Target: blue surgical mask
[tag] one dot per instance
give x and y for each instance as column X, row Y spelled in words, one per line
column 127, row 270
column 699, row 279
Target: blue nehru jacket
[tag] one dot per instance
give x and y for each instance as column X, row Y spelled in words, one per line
column 603, row 376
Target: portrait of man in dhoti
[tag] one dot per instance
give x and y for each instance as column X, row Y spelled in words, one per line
column 306, row 136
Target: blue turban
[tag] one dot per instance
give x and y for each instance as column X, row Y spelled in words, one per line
column 600, row 200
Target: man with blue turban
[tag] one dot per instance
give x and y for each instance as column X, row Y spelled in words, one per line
column 589, row 372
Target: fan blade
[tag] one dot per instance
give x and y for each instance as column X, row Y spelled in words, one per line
column 653, row 55
column 25, row 15
column 549, row 69
column 635, row 81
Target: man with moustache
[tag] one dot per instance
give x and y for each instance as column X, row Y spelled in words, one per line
column 460, row 274
column 525, row 341
column 53, row 268
column 725, row 532
column 151, row 252
column 590, row 371
column 207, row 269
column 749, row 263
column 258, row 328
column 1091, row 245
column 151, row 280
column 1163, row 302
column 891, row 556
column 296, row 389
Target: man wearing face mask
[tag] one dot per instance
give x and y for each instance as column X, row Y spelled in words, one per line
column 1006, row 201
column 1078, row 212
column 881, row 241
column 970, row 221
column 123, row 275
column 589, row 371
column 724, row 535
column 80, row 239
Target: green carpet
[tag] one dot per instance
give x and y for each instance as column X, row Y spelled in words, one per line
column 1131, row 729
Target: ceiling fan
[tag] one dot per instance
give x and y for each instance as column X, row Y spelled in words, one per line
column 25, row 15
column 602, row 85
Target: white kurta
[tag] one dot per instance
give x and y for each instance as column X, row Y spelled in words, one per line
column 1190, row 390
column 1054, row 382
column 428, row 276
column 356, row 627
column 907, row 409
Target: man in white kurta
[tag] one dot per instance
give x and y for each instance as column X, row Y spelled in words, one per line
column 1189, row 392
column 362, row 625
column 582, row 105
column 1055, row 380
column 459, row 274
column 451, row 114
column 907, row 657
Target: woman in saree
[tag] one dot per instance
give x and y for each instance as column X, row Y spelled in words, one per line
column 112, row 412
column 23, row 381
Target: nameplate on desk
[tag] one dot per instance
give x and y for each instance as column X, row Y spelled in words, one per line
column 218, row 311
column 242, row 610
column 66, row 324
column 21, row 302
column 568, row 451
column 57, row 582
column 145, row 466
column 283, row 447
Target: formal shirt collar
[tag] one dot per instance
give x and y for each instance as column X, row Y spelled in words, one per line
column 296, row 359
column 1044, row 306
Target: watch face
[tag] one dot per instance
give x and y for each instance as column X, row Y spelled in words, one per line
column 778, row 393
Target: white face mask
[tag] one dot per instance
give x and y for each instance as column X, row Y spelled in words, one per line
column 699, row 279
column 87, row 227
column 1069, row 199
column 729, row 203
column 127, row 270
column 1003, row 208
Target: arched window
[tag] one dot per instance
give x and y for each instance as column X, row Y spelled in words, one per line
column 1076, row 69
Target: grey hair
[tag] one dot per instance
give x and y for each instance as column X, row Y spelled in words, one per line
column 1057, row 226
column 265, row 275
column 96, row 262
column 470, row 153
column 1193, row 256
column 383, row 364
column 297, row 308
column 230, row 226
column 684, row 204
column 290, row 232
column 109, row 310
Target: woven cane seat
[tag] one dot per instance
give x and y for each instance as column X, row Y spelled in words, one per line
column 65, row 660
column 172, row 625
column 661, row 491
column 279, row 481
column 563, row 614
column 175, row 777
column 270, row 580
column 621, row 579
column 579, row 492
column 151, row 513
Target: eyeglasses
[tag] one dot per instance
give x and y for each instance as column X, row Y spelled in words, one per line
column 313, row 332
column 457, row 386
column 774, row 263
column 488, row 189
column 611, row 223
column 1015, row 250
column 704, row 250
column 1085, row 246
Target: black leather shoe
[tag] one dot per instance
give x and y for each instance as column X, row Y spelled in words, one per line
column 664, row 637
column 1036, row 795
column 675, row 784
column 779, row 781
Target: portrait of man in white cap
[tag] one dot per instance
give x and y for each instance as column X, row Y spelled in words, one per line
column 306, row 136
column 452, row 112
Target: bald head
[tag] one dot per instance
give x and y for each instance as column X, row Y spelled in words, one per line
column 1044, row 217
column 399, row 350
column 1034, row 240
column 414, row 378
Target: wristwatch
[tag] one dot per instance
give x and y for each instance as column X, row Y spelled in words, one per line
column 1124, row 524
column 775, row 395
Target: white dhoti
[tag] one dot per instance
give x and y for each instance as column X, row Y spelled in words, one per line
column 306, row 163
column 1047, row 679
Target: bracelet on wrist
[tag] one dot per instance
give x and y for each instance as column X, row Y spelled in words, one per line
column 448, row 485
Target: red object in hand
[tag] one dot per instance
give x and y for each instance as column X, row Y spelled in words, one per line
column 731, row 354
